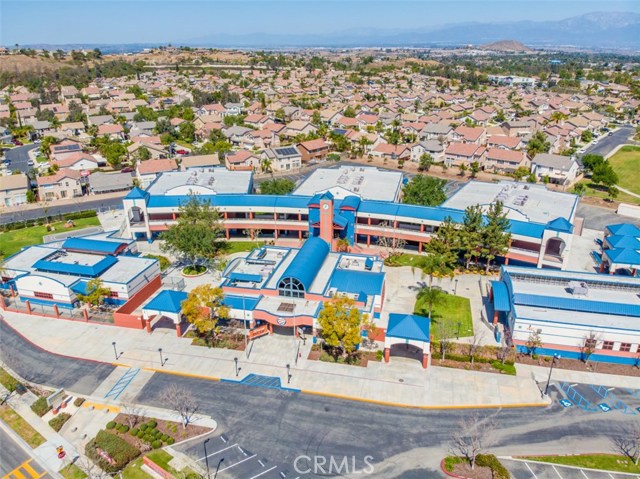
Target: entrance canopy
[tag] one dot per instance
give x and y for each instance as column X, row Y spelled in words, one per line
column 168, row 303
column 409, row 327
column 500, row 296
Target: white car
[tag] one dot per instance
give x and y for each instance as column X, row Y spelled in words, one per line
column 582, row 150
column 594, row 142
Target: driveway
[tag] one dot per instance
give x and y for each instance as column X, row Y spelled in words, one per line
column 19, row 157
column 609, row 143
column 596, row 218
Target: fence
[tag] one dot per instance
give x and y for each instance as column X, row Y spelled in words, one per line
column 76, row 314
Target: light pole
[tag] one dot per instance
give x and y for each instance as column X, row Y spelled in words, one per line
column 458, row 330
column 235, row 360
column 218, row 467
column 455, row 287
column 115, row 351
column 244, row 326
column 288, row 373
column 206, row 457
column 161, row 359
column 553, row 361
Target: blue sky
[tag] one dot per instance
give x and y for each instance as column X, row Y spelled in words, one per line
column 174, row 21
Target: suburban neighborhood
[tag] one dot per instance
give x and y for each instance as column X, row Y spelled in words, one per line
column 319, row 261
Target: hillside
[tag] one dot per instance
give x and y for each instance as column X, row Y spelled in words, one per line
column 23, row 63
column 506, row 46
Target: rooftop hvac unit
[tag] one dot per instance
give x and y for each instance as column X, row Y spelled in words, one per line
column 578, row 288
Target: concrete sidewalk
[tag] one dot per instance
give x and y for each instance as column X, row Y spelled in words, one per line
column 402, row 382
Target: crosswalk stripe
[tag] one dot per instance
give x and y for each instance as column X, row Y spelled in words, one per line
column 19, row 472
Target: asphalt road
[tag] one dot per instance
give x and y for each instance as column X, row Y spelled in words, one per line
column 18, row 214
column 596, row 218
column 19, row 156
column 13, row 456
column 607, row 144
column 279, row 426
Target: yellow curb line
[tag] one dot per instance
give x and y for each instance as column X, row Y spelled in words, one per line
column 100, row 406
column 411, row 406
column 121, row 365
column 178, row 373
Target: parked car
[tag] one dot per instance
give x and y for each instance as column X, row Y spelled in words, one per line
column 17, row 142
column 30, row 162
column 610, row 133
column 126, row 169
column 182, row 152
column 582, row 150
column 594, row 142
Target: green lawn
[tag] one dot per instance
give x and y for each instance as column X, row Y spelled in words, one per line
column 451, row 310
column 598, row 192
column 72, row 472
column 161, row 458
column 608, row 462
column 405, row 259
column 134, row 471
column 13, row 241
column 626, row 162
column 8, row 381
column 21, row 427
column 240, row 246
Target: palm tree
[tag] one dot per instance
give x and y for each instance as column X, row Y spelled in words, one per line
column 431, row 296
column 265, row 165
column 435, row 264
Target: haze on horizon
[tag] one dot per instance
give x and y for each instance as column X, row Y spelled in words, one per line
column 27, row 22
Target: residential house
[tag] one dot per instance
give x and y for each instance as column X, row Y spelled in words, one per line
column 458, row 153
column 430, row 147
column 284, row 158
column 78, row 161
column 242, row 160
column 561, row 170
column 64, row 149
column 392, row 152
column 500, row 159
column 313, row 149
column 114, row 132
column 518, row 128
column 199, row 162
column 13, row 190
column 467, row 134
column 65, row 183
column 505, row 142
column 299, row 127
column 147, row 171
column 437, row 131
column 75, row 128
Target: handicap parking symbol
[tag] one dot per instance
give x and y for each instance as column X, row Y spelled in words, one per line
column 604, row 406
column 566, row 403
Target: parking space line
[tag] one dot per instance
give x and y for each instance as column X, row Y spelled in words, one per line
column 531, row 471
column 554, row 468
column 236, row 463
column 217, row 452
column 584, row 474
column 611, row 476
column 264, row 472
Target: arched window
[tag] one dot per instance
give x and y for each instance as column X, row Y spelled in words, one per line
column 291, row 288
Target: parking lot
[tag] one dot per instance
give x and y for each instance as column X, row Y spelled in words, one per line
column 521, row 469
column 228, row 459
column 593, row 398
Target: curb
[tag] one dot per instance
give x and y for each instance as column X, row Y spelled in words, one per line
column 450, row 474
column 631, row 475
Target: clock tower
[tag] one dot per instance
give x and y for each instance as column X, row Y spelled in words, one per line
column 326, row 219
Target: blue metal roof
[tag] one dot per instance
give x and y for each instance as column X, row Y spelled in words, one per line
column 620, row 241
column 500, row 296
column 357, row 282
column 136, row 194
column 308, row 261
column 92, row 245
column 522, row 228
column 246, row 277
column 76, row 269
column 624, row 229
column 168, row 301
column 246, row 303
column 408, row 326
column 340, row 221
column 350, row 202
column 243, row 200
column 623, row 255
column 80, row 287
column 577, row 304
column 560, row 224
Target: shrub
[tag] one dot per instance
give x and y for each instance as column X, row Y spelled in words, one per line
column 163, row 261
column 124, row 429
column 164, row 438
column 134, row 431
column 78, row 402
column 152, row 424
column 57, row 422
column 80, row 214
column 379, row 354
column 140, row 434
column 507, row 368
column 117, row 448
column 170, row 441
column 156, row 444
column 492, row 462
column 143, row 427
column 40, row 407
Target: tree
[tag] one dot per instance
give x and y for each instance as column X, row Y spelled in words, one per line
column 580, row 189
column 475, row 169
column 627, row 441
column 391, row 244
column 435, row 264
column 425, row 162
column 133, row 413
column 471, row 234
column 431, row 296
column 446, row 242
column 197, row 234
column 277, row 186
column 181, row 401
column 520, row 172
column 604, row 174
column 586, row 136
column 203, row 307
column 45, row 145
column 534, row 342
column 612, row 193
column 349, row 112
column 95, row 292
column 444, row 337
column 113, row 152
column 590, row 161
column 471, row 437
column 187, row 131
column 143, row 153
column 340, row 324
column 463, row 168
column 474, row 345
column 495, row 234
column 424, row 190
column 588, row 345
column 31, row 196
column 265, row 165
column 538, row 144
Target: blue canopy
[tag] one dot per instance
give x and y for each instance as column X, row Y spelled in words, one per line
column 408, row 326
column 76, row 269
column 168, row 301
column 246, row 277
column 307, row 262
column 93, row 245
column 624, row 229
column 247, row 303
column 623, row 255
column 500, row 296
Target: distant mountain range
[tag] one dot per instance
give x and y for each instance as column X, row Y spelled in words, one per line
column 597, row 30
column 608, row 31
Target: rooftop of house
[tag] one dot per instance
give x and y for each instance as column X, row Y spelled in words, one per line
column 368, row 183
column 209, row 182
column 523, row 201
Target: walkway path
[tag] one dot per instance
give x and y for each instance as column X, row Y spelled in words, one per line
column 636, row 195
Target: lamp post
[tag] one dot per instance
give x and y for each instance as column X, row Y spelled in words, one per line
column 161, row 358
column 206, row 457
column 244, row 326
column 115, row 351
column 218, row 467
column 288, row 373
column 553, row 362
column 235, row 360
column 458, row 330
column 455, row 287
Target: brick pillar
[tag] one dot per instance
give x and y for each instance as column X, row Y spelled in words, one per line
column 420, row 247
column 147, row 325
column 602, row 266
column 56, row 310
column 368, row 240
column 496, row 314
column 226, row 232
column 173, row 216
column 13, row 291
column 506, row 260
column 425, row 361
column 270, row 328
column 28, row 305
column 387, row 353
column 178, row 330
column 3, row 305
column 300, row 234
column 85, row 314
